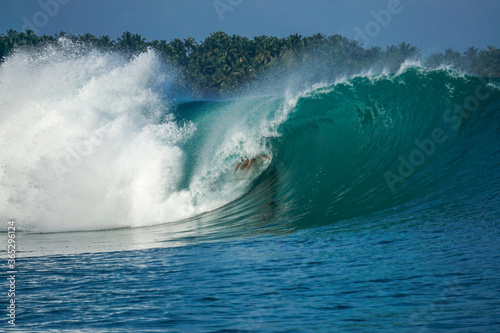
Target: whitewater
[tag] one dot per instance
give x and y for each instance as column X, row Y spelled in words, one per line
column 378, row 207
column 90, row 141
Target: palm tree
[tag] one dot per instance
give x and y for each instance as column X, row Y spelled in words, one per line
column 190, row 45
column 435, row 60
column 88, row 39
column 226, row 49
column 266, row 49
column 105, row 42
column 263, row 54
column 315, row 40
column 177, row 51
column 27, row 38
column 12, row 37
column 407, row 51
column 488, row 62
column 244, row 49
column 471, row 52
column 132, row 42
column 223, row 63
column 469, row 58
column 125, row 40
column 374, row 53
column 294, row 43
column 452, row 57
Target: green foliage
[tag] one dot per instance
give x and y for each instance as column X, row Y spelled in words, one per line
column 478, row 62
column 222, row 64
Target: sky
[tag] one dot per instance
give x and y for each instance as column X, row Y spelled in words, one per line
column 431, row 25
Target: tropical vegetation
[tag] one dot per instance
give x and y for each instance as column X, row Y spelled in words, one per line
column 222, row 64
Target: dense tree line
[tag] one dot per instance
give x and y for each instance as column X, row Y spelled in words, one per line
column 475, row 61
column 223, row 63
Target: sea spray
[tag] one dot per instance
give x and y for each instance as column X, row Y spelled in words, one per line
column 95, row 141
column 88, row 141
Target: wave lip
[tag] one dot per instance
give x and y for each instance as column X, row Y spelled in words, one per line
column 97, row 146
column 374, row 144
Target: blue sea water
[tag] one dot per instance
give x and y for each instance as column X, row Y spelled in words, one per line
column 377, row 211
column 388, row 276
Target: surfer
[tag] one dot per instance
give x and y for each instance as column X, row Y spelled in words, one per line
column 245, row 164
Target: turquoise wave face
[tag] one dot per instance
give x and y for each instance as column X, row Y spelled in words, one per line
column 403, row 170
column 99, row 145
column 364, row 146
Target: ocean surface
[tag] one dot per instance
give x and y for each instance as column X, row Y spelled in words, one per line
column 378, row 209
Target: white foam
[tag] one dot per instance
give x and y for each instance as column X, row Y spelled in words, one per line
column 88, row 143
column 83, row 143
column 409, row 63
column 494, row 85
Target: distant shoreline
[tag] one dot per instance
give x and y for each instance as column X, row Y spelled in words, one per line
column 224, row 64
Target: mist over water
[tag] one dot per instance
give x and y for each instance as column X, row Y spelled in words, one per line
column 95, row 140
column 89, row 142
